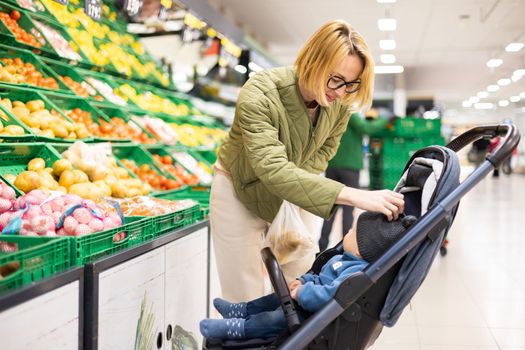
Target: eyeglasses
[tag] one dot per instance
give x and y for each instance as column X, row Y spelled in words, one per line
column 334, row 82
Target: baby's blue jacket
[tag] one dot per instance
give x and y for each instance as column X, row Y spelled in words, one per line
column 317, row 290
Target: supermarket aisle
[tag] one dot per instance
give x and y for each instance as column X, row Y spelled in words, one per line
column 474, row 298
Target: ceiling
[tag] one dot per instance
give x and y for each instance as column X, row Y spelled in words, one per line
column 443, row 44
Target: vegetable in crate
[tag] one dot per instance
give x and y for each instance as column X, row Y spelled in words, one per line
column 158, row 128
column 45, row 123
column 149, row 206
column 7, row 198
column 11, row 22
column 149, row 175
column 82, row 89
column 16, row 71
column 176, row 170
column 49, row 214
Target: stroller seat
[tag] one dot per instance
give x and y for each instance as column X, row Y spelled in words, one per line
column 376, row 296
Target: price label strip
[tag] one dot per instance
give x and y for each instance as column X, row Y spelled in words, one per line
column 62, row 2
column 93, row 8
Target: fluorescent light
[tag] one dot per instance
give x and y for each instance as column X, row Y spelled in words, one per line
column 520, row 72
column 522, row 94
column 466, row 104
column 494, row 62
column 514, row 99
column 241, row 69
column 386, row 1
column 504, row 82
column 389, row 69
column 483, row 94
column 388, row 58
column 503, row 103
column 484, row 105
column 515, row 77
column 387, row 44
column 387, row 24
column 254, row 67
column 492, row 88
column 474, row 99
column 514, row 47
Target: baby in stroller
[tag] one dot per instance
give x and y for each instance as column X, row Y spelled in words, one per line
column 372, row 235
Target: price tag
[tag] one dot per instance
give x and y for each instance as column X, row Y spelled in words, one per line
column 92, row 8
column 63, row 2
column 133, row 7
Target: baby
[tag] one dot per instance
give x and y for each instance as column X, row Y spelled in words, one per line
column 372, row 235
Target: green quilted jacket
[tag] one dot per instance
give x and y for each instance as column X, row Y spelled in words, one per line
column 273, row 152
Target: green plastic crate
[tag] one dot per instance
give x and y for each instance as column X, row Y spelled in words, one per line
column 27, row 137
column 113, row 112
column 141, row 157
column 417, row 127
column 35, row 6
column 63, row 69
column 66, row 104
column 37, row 257
column 29, row 57
column 96, row 245
column 168, row 222
column 26, row 95
column 14, row 157
column 202, row 196
column 161, row 151
column 25, row 22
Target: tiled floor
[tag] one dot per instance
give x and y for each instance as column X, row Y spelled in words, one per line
column 474, row 298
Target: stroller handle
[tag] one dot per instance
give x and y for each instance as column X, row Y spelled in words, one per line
column 510, row 134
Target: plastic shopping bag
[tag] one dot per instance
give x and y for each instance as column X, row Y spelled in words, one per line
column 288, row 237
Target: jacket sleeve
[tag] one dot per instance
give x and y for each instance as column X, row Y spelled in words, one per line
column 319, row 161
column 267, row 156
column 313, row 295
column 309, row 277
column 365, row 126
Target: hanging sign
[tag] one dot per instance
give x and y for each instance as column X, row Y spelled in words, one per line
column 92, row 8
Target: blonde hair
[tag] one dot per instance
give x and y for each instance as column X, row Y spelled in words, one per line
column 323, row 51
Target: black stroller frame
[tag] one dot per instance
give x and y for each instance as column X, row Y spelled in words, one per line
column 355, row 300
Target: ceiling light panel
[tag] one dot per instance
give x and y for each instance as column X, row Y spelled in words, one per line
column 387, row 44
column 494, row 62
column 514, row 47
column 387, row 24
column 388, row 58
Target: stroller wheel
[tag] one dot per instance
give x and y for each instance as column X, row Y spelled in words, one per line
column 443, row 251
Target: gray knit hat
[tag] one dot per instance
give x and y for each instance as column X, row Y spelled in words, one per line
column 375, row 234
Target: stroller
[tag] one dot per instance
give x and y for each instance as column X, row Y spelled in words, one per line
column 376, row 296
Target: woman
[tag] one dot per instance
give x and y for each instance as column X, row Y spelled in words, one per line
column 288, row 123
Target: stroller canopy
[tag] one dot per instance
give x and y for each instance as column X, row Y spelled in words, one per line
column 430, row 175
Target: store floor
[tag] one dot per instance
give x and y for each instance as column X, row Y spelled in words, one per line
column 473, row 298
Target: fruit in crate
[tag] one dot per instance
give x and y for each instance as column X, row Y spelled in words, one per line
column 84, row 40
column 176, row 170
column 149, row 101
column 11, row 22
column 61, row 13
column 16, row 71
column 149, row 175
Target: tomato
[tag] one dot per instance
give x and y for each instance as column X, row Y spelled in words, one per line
column 15, row 15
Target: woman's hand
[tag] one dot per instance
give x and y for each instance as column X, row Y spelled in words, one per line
column 387, row 202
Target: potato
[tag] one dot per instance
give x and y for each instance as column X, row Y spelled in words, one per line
column 59, row 130
column 35, row 105
column 80, row 176
column 67, row 178
column 19, row 104
column 27, row 181
column 29, row 121
column 47, row 133
column 7, row 104
column 10, row 177
column 14, row 130
column 36, row 164
column 20, row 112
column 61, row 165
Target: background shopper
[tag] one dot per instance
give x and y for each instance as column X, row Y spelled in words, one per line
column 348, row 162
